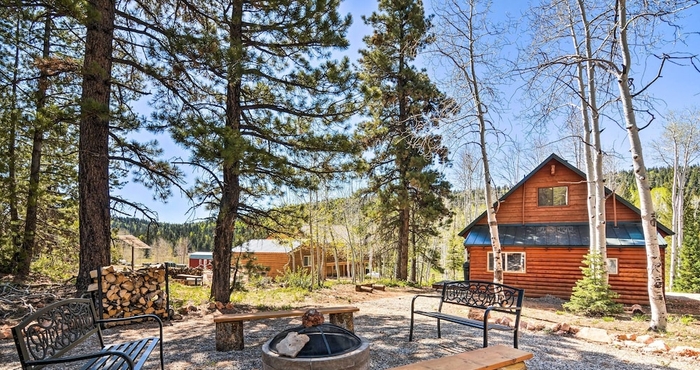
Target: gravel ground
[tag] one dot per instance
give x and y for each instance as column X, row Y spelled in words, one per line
column 189, row 344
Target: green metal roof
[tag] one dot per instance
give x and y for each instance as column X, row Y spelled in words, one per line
column 627, row 234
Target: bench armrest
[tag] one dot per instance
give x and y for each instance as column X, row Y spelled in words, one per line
column 147, row 316
column 413, row 301
column 60, row 360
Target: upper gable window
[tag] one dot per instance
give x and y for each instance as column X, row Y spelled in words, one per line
column 554, row 196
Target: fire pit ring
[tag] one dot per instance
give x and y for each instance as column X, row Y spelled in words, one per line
column 330, row 347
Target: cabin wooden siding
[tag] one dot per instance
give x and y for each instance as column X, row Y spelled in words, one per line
column 555, row 270
column 276, row 262
column 521, row 205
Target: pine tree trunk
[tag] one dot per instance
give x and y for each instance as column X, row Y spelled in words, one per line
column 231, row 188
column 655, row 278
column 28, row 240
column 94, row 141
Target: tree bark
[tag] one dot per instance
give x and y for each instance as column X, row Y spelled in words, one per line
column 655, row 279
column 231, row 189
column 94, row 141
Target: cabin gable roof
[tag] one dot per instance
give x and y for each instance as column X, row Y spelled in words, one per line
column 579, row 175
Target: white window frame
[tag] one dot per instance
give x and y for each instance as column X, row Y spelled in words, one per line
column 612, row 265
column 504, row 258
column 306, row 261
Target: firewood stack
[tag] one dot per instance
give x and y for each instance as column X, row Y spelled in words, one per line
column 130, row 293
column 175, row 271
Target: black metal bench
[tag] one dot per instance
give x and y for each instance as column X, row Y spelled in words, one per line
column 483, row 295
column 47, row 335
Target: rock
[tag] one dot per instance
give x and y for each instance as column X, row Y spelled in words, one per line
column 626, row 337
column 312, row 318
column 657, row 346
column 646, row 339
column 212, row 305
column 524, row 324
column 637, row 310
column 177, row 316
column 5, row 332
column 594, row 335
column 633, row 344
column 555, row 327
column 192, row 308
column 565, row 327
column 183, row 311
column 219, row 305
column 686, row 351
column 292, row 344
column 229, row 306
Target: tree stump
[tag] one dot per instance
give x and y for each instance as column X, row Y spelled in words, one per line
column 229, row 336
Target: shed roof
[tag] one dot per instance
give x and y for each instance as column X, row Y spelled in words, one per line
column 265, row 246
column 202, row 255
column 627, row 234
column 133, row 241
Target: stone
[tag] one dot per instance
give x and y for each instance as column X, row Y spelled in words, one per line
column 5, row 332
column 212, row 305
column 626, row 337
column 524, row 324
column 594, row 335
column 637, row 310
column 292, row 344
column 555, row 327
column 633, row 344
column 646, row 339
column 565, row 327
column 686, row 351
column 657, row 346
column 312, row 318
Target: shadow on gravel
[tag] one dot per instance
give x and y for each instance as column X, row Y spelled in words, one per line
column 190, row 344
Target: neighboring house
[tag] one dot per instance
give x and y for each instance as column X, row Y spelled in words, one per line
column 544, row 234
column 201, row 259
column 270, row 253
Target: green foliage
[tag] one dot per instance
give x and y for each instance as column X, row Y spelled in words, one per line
column 300, row 278
column 404, row 107
column 181, row 295
column 688, row 279
column 592, row 296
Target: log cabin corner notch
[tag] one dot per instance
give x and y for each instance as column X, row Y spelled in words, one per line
column 543, row 229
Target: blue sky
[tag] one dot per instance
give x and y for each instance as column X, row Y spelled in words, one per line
column 679, row 89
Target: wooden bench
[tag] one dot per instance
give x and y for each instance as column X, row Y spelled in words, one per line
column 46, row 336
column 229, row 327
column 497, row 357
column 482, row 295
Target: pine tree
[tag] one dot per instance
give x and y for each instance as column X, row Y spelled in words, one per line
column 404, row 106
column 592, row 295
column 251, row 92
column 688, row 279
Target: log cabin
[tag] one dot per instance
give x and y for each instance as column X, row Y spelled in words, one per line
column 544, row 233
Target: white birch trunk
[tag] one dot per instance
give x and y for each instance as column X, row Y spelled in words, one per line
column 655, row 281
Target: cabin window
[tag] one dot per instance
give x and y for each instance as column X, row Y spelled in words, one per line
column 612, row 265
column 554, row 196
column 510, row 261
column 307, row 261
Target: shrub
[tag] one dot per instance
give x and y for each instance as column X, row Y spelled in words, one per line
column 592, row 296
column 296, row 279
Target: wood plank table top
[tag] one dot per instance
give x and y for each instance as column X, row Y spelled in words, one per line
column 248, row 316
column 489, row 358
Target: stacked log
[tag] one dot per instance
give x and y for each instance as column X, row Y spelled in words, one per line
column 175, row 271
column 130, row 293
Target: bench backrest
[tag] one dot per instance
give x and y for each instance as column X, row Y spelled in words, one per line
column 55, row 329
column 483, row 294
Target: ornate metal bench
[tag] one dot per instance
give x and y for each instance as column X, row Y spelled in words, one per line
column 46, row 336
column 483, row 295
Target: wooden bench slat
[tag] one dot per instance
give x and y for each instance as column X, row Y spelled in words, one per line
column 489, row 358
column 249, row 316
